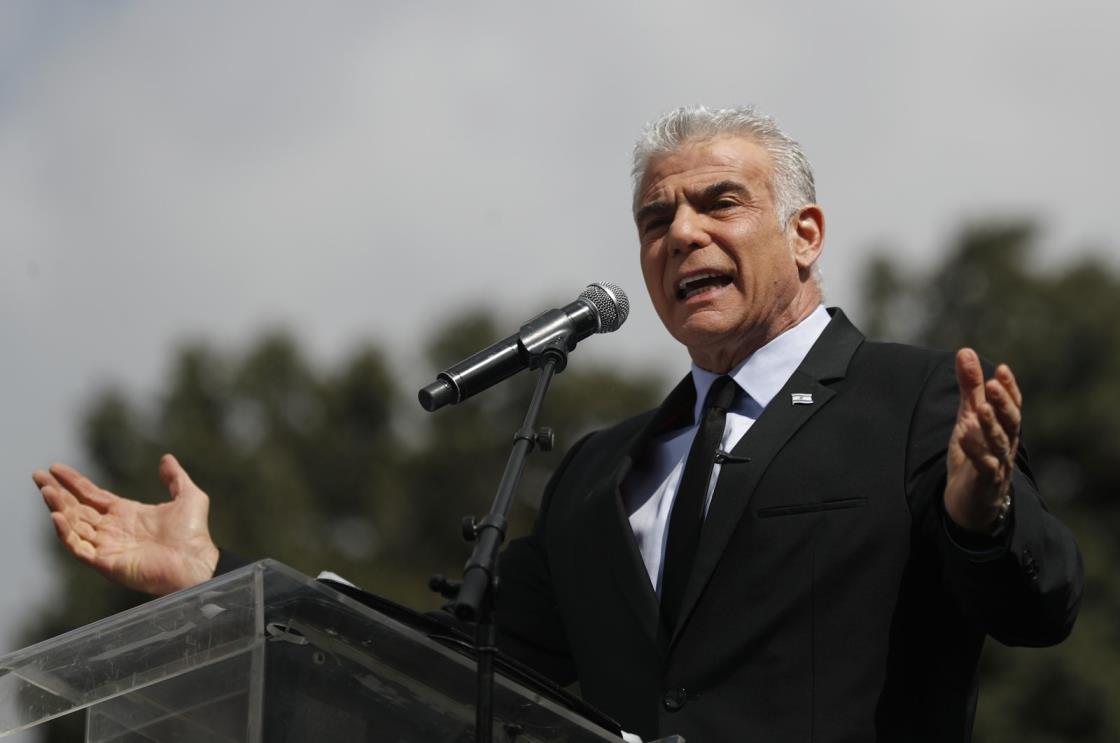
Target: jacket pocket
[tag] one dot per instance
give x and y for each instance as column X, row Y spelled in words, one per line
column 799, row 508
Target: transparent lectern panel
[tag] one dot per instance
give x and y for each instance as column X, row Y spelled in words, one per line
column 267, row 654
column 342, row 671
column 153, row 642
column 215, row 707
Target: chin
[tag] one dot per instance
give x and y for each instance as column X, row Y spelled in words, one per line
column 703, row 338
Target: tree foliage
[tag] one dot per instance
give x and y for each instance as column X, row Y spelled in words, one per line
column 1058, row 330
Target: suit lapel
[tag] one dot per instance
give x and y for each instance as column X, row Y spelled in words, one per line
column 612, row 522
column 827, row 360
column 627, row 568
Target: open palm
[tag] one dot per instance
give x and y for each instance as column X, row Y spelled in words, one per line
column 156, row 548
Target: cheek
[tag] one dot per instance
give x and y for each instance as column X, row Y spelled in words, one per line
column 778, row 266
column 653, row 267
column 653, row 272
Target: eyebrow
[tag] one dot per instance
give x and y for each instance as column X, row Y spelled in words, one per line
column 654, row 208
column 715, row 190
column 708, row 193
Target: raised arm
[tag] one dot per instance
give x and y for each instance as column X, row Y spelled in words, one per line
column 156, row 548
column 1019, row 578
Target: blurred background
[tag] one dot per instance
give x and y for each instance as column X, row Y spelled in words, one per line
column 247, row 233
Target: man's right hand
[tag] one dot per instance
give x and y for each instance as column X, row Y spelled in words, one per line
column 156, row 549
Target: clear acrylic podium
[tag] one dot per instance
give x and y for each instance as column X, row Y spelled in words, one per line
column 267, row 655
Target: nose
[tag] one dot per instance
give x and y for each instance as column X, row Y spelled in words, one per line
column 687, row 232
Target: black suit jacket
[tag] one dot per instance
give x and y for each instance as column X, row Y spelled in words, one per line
column 830, row 598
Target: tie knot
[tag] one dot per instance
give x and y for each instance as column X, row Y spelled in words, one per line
column 722, row 393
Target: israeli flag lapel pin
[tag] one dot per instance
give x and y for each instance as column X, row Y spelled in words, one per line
column 801, row 398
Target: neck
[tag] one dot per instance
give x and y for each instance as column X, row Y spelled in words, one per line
column 722, row 358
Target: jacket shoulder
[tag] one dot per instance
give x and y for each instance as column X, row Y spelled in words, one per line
column 605, row 444
column 902, row 354
column 897, row 366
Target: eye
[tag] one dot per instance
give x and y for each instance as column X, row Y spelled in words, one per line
column 654, row 225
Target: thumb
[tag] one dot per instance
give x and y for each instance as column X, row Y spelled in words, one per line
column 970, row 378
column 174, row 476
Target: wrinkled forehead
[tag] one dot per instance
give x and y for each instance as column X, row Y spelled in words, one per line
column 699, row 163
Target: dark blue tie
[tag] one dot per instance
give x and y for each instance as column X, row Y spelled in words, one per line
column 687, row 517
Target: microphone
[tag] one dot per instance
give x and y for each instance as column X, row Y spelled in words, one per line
column 600, row 308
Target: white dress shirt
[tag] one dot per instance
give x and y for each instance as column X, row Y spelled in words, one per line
column 648, row 494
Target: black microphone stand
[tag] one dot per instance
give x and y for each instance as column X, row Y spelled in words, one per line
column 474, row 596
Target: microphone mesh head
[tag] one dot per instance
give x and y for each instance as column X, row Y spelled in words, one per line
column 611, row 302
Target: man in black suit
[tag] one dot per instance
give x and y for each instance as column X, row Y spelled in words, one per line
column 814, row 551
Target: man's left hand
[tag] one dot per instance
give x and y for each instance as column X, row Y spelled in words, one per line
column 983, row 445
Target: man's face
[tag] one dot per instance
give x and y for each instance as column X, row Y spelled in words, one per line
column 723, row 275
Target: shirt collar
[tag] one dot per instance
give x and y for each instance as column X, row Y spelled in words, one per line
column 762, row 374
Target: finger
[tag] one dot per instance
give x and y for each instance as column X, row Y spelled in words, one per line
column 1007, row 379
column 1008, row 414
column 84, row 530
column 57, row 497
column 66, row 505
column 996, row 439
column 81, row 486
column 55, row 494
column 62, row 502
column 42, row 478
column 73, row 542
column 976, row 449
column 174, row 476
column 970, row 378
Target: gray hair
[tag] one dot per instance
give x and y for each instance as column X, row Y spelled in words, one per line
column 792, row 185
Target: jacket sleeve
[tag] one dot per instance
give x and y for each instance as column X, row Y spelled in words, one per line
column 530, row 627
column 227, row 562
column 1022, row 586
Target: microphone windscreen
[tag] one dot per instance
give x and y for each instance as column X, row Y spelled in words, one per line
column 611, row 303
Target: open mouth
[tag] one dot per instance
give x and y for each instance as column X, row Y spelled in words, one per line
column 700, row 283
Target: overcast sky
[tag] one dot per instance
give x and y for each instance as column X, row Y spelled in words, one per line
column 362, row 170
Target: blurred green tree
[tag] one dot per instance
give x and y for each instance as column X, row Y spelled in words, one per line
column 1059, row 331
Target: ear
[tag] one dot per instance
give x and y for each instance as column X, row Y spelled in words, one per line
column 807, row 236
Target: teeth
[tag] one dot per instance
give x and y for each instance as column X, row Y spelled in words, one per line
column 684, row 284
